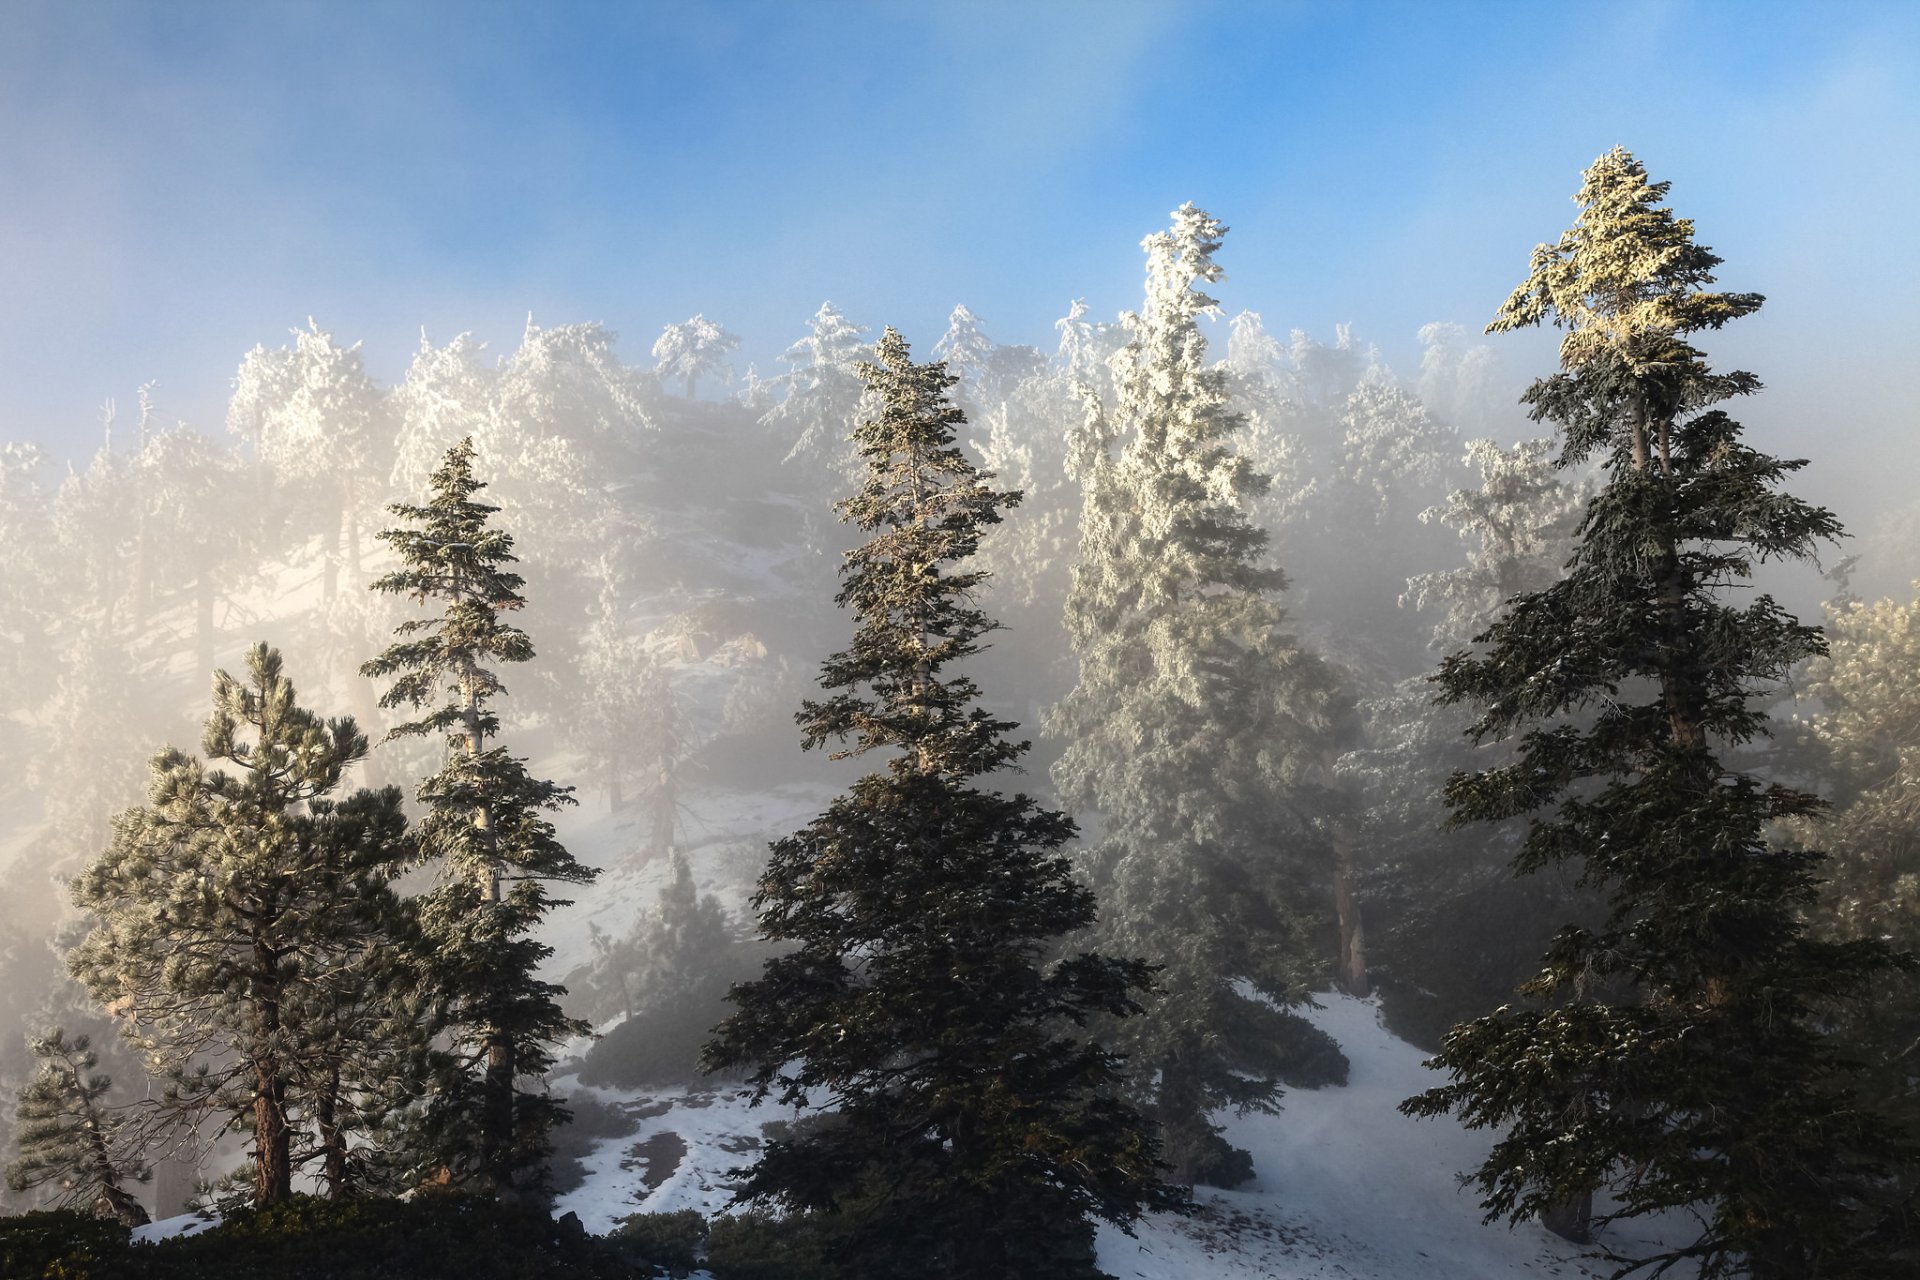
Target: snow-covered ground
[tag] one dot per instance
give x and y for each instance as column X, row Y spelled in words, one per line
column 1345, row 1185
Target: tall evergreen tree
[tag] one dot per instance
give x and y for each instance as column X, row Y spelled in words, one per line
column 69, row 1138
column 1200, row 730
column 486, row 819
column 229, row 913
column 1674, row 1054
column 973, row 1130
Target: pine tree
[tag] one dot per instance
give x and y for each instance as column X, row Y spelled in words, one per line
column 972, row 1131
column 695, row 350
column 671, row 975
column 1199, row 729
column 1675, row 1054
column 322, row 427
column 486, row 821
column 71, row 1139
column 232, row 911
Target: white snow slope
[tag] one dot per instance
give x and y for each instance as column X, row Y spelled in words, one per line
column 1345, row 1185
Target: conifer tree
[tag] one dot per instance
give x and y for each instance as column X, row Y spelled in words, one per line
column 1199, row 729
column 486, row 820
column 234, row 909
column 973, row 1132
column 1675, row 1053
column 69, row 1137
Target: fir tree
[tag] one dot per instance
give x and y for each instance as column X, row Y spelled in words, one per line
column 71, row 1139
column 972, row 1131
column 1674, row 1054
column 486, row 821
column 695, row 350
column 1199, row 729
column 233, row 912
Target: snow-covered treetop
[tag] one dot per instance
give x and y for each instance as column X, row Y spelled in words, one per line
column 693, row 350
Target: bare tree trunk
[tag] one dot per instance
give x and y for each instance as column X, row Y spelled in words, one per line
column 330, row 556
column 1353, row 936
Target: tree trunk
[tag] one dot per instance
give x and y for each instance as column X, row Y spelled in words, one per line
column 496, row 1108
column 334, row 1170
column 272, row 1142
column 1571, row 1219
column 1353, row 937
column 330, row 556
column 203, row 626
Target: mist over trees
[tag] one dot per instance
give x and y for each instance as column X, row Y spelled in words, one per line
column 1211, row 566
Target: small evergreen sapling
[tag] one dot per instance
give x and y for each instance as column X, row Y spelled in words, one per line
column 486, row 819
column 973, row 1130
column 71, row 1139
column 1678, row 1053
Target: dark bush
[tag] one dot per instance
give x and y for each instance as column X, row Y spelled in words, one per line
column 754, row 1246
column 663, row 1239
column 84, row 1246
column 432, row 1237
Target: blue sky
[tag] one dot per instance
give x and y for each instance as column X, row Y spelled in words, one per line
column 179, row 182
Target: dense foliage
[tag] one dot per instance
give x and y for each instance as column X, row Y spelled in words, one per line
column 974, row 1131
column 239, row 930
column 1677, row 1054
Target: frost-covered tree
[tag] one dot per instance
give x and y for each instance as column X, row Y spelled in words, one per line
column 191, row 530
column 823, row 397
column 1199, row 730
column 1454, row 932
column 28, row 586
column 230, row 908
column 1678, row 1051
column 1518, row 525
column 319, row 424
column 973, row 1132
column 1456, row 382
column 694, row 350
column 626, row 718
column 1085, row 347
column 486, row 822
column 69, row 1136
column 1868, row 735
column 446, row 396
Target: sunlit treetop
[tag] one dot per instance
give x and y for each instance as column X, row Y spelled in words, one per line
column 1626, row 279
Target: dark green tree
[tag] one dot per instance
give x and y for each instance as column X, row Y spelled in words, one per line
column 71, row 1139
column 1199, row 729
column 235, row 913
column 1676, row 1054
column 486, row 820
column 973, row 1130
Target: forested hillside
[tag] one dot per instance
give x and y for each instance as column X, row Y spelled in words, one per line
column 398, row 775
